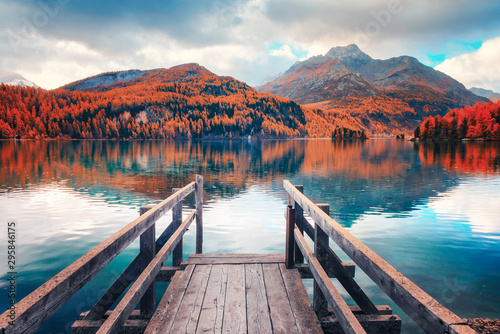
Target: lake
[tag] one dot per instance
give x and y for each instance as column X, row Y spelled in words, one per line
column 432, row 211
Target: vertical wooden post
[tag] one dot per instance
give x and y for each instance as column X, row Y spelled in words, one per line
column 199, row 214
column 147, row 253
column 299, row 221
column 321, row 248
column 176, row 222
column 289, row 244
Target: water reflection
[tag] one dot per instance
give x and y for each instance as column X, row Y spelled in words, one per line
column 435, row 202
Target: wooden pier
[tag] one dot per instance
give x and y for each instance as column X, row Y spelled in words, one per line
column 234, row 293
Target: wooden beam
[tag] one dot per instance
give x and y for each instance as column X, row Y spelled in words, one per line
column 305, row 272
column 299, row 221
column 39, row 305
column 289, row 242
column 147, row 253
column 123, row 281
column 373, row 324
column 321, row 247
column 348, row 321
column 131, row 298
column 131, row 326
column 232, row 259
column 199, row 214
column 176, row 222
column 166, row 274
column 421, row 307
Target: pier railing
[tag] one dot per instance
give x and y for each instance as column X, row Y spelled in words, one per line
column 431, row 316
column 143, row 271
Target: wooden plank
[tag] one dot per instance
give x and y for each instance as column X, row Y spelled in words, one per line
column 187, row 316
column 373, row 324
column 282, row 318
column 136, row 314
column 332, row 257
column 39, row 305
column 136, row 291
column 147, row 253
column 305, row 271
column 162, row 320
column 299, row 221
column 321, row 252
column 254, row 258
column 461, row 329
column 176, row 222
column 304, row 315
column 258, row 319
column 342, row 312
column 274, row 256
column 166, row 274
column 199, row 214
column 415, row 302
column 289, row 243
column 235, row 319
column 124, row 280
column 212, row 311
column 132, row 326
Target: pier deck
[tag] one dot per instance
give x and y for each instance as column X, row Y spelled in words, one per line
column 235, row 293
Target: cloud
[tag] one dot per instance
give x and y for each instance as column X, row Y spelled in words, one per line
column 476, row 69
column 230, row 37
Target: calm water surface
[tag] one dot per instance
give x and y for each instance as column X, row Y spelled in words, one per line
column 432, row 211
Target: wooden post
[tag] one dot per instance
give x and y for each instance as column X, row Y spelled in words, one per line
column 299, row 221
column 147, row 253
column 199, row 214
column 289, row 244
column 321, row 248
column 176, row 222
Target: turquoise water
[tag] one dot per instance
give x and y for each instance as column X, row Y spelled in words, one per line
column 429, row 210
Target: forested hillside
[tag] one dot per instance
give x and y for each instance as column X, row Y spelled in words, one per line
column 477, row 122
column 185, row 101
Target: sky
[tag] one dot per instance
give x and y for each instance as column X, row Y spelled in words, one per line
column 54, row 42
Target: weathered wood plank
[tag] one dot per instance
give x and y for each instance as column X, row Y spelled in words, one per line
column 136, row 291
column 304, row 315
column 38, row 306
column 258, row 318
column 289, row 243
column 321, row 248
column 147, row 253
column 199, row 214
column 166, row 274
column 282, row 318
column 342, row 312
column 299, row 221
column 372, row 324
column 187, row 316
column 132, row 326
column 176, row 222
column 163, row 318
column 305, row 271
column 235, row 319
column 236, row 259
column 332, row 257
column 128, row 276
column 415, row 302
column 212, row 311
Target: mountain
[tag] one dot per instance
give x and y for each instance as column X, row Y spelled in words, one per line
column 489, row 94
column 15, row 79
column 186, row 101
column 392, row 95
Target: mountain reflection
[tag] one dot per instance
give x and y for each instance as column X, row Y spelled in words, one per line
column 354, row 177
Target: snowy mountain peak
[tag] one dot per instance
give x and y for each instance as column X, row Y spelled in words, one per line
column 348, row 52
column 15, row 79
